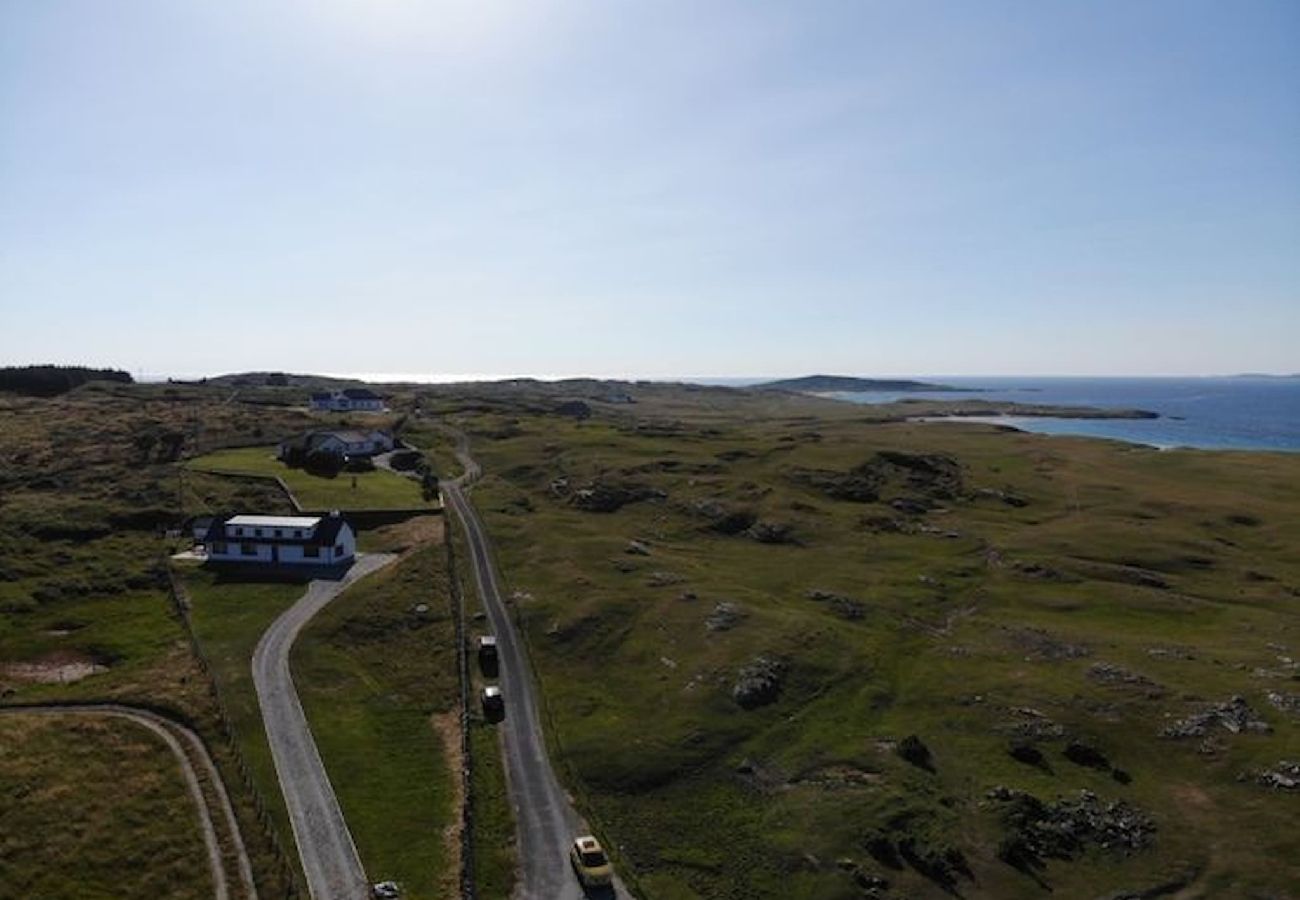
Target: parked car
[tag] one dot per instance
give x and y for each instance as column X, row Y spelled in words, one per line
column 385, row 890
column 487, row 653
column 494, row 705
column 590, row 863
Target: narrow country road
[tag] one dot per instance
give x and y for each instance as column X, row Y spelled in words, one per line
column 329, row 857
column 546, row 819
column 172, row 734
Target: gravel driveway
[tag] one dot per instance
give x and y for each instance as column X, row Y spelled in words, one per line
column 329, row 857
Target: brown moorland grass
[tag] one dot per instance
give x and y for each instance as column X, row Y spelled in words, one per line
column 95, row 808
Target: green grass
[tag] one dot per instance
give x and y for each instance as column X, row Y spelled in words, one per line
column 379, row 489
column 940, row 652
column 229, row 618
column 95, row 808
column 374, row 677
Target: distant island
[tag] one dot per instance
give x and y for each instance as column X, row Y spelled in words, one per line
column 828, row 384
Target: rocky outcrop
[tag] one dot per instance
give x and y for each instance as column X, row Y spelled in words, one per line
column 758, row 683
column 725, row 616
column 1064, row 828
column 608, row 497
column 1234, row 715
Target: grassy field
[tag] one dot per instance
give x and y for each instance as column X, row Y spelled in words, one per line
column 229, row 618
column 378, row 489
column 377, row 678
column 95, row 808
column 970, row 614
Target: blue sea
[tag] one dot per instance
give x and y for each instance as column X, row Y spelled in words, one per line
column 1240, row 413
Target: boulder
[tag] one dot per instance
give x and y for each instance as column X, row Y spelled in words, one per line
column 758, row 683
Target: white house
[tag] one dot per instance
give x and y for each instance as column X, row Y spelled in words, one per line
column 281, row 540
column 347, row 400
column 340, row 443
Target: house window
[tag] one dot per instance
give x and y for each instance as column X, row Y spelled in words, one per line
column 338, row 549
column 257, row 532
column 311, row 552
column 248, row 549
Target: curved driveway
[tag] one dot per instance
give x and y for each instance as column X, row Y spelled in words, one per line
column 329, row 856
column 546, row 820
column 171, row 734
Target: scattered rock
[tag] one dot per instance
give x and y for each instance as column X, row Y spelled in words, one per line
column 663, row 579
column 1289, row 703
column 758, row 683
column 723, row 519
column 637, row 548
column 909, row 506
column 1108, row 673
column 1285, row 776
column 1006, row 497
column 1235, row 715
column 844, row 607
column 725, row 616
column 886, row 525
column 1030, row 724
column 772, row 533
column 1170, row 653
column 608, row 497
column 1038, row 643
column 1063, row 828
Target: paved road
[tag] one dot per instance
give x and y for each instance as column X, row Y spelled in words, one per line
column 329, row 857
column 545, row 817
column 172, row 733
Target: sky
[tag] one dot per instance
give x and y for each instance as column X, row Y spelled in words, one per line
column 674, row 188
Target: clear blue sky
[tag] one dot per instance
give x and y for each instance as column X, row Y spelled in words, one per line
column 666, row 188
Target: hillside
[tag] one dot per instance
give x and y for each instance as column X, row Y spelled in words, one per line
column 813, row 655
column 827, row 384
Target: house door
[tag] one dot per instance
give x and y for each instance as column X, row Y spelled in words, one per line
column 275, row 553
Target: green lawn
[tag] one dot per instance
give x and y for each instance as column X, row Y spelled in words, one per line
column 375, row 676
column 379, row 489
column 229, row 618
column 95, row 808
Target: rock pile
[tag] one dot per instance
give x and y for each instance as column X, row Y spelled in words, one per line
column 1108, row 673
column 1063, row 828
column 1286, row 702
column 758, row 683
column 725, row 616
column 1040, row 644
column 1235, row 715
column 844, row 607
column 766, row 532
column 1285, row 776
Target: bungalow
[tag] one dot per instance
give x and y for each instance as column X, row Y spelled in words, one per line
column 347, row 400
column 349, row 443
column 281, row 540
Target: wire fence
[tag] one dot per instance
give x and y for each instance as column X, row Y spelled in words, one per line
column 230, row 732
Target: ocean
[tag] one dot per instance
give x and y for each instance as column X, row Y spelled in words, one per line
column 1241, row 413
